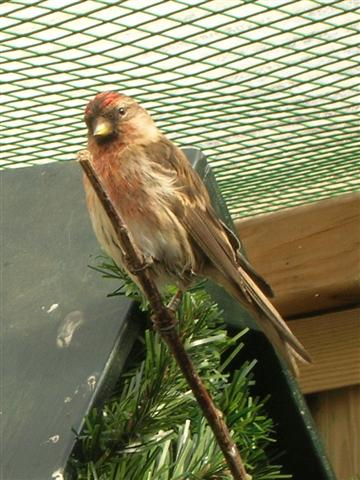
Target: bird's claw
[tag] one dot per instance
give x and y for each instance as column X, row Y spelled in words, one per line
column 174, row 303
column 167, row 327
column 146, row 263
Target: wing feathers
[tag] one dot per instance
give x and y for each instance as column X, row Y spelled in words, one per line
column 210, row 239
column 191, row 204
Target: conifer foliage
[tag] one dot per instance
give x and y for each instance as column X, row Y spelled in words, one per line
column 152, row 429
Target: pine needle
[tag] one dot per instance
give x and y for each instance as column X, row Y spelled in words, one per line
column 152, row 428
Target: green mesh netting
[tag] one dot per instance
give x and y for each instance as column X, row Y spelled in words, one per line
column 268, row 89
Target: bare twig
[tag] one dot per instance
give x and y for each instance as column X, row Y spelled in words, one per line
column 165, row 322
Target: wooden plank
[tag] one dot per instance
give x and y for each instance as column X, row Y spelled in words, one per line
column 333, row 341
column 337, row 416
column 310, row 254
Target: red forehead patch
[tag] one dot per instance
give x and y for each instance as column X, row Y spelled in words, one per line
column 103, row 100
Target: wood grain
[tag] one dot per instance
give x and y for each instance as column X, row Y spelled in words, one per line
column 337, row 415
column 310, row 254
column 333, row 341
column 311, row 257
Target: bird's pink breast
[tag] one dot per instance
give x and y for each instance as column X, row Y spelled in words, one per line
column 141, row 196
column 124, row 185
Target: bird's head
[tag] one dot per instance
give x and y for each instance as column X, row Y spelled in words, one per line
column 111, row 116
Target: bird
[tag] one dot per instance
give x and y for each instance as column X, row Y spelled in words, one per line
column 169, row 216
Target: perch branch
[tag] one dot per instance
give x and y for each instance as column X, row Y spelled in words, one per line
column 164, row 321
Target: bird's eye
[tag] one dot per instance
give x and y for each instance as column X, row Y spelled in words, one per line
column 121, row 111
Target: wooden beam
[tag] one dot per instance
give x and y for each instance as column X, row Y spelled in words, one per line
column 310, row 255
column 333, row 341
column 337, row 416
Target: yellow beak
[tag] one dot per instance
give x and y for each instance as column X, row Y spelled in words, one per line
column 102, row 128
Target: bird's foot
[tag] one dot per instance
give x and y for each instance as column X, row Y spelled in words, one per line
column 146, row 263
column 166, row 327
column 175, row 302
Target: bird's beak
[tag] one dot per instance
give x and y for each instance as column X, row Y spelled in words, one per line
column 102, row 127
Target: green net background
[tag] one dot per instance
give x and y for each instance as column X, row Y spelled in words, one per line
column 268, row 89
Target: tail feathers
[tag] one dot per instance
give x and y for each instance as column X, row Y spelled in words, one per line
column 247, row 292
column 287, row 353
column 274, row 317
column 258, row 279
column 273, row 324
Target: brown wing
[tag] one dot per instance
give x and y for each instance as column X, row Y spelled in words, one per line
column 244, row 262
column 195, row 196
column 192, row 204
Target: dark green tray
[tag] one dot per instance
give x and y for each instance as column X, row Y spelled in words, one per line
column 50, row 378
column 63, row 342
column 297, row 436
